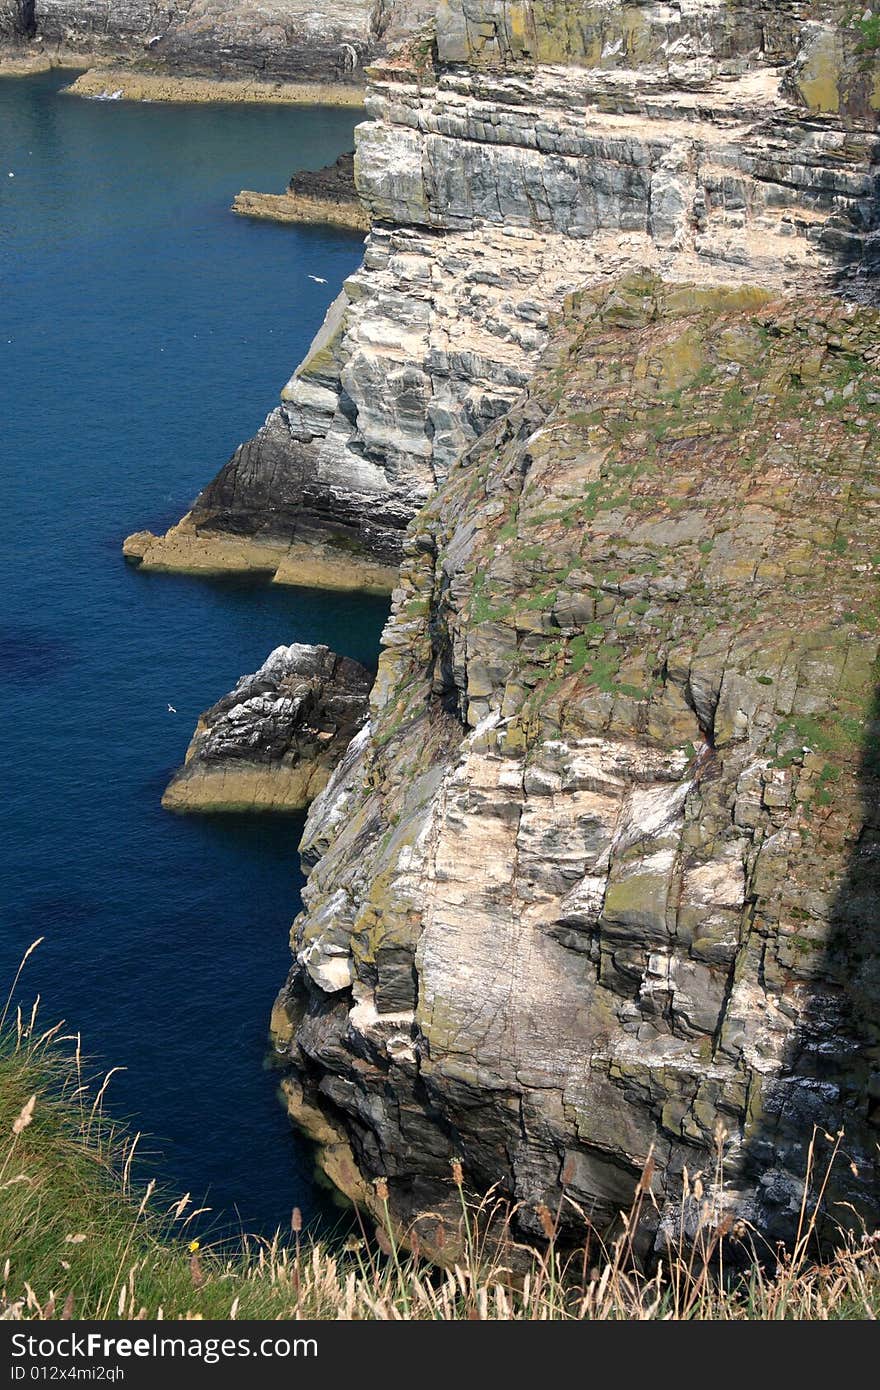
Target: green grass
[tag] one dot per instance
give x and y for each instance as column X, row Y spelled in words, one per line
column 82, row 1237
column 870, row 34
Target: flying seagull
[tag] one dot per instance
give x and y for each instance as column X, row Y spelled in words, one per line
column 318, row 279
column 171, row 709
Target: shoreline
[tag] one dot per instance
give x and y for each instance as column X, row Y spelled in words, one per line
column 183, row 550
column 298, row 208
column 103, row 77
column 266, row 788
column 16, row 62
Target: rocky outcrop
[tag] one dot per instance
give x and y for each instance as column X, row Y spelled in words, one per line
column 599, row 878
column 271, row 744
column 324, row 196
column 281, row 40
column 512, row 153
column 17, row 20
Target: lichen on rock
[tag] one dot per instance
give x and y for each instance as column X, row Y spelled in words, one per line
column 599, row 878
column 271, row 744
column 511, row 153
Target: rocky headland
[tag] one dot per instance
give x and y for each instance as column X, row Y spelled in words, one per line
column 272, row 743
column 325, row 196
column 596, row 883
column 510, row 154
column 272, row 50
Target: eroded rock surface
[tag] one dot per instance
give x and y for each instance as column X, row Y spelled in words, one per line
column 271, row 744
column 284, row 40
column 512, row 153
column 17, row 22
column 324, row 196
column 599, row 878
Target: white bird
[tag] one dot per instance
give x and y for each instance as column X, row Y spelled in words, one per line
column 318, row 279
column 171, row 709
column 12, row 176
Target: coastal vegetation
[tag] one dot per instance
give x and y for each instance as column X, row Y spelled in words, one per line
column 83, row 1235
column 582, row 1014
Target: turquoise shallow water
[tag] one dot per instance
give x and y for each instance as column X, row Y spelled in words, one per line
column 145, row 331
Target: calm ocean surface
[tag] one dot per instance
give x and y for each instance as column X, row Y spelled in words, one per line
column 144, row 332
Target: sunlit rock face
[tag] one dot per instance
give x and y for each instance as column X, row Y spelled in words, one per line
column 598, row 880
column 511, row 153
column 284, row 40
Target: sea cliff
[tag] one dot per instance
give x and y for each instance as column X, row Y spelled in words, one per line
column 591, row 894
column 175, row 51
column 511, row 153
column 598, row 881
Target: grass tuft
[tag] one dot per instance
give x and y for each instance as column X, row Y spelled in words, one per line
column 82, row 1237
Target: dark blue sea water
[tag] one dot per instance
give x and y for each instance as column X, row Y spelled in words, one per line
column 145, row 331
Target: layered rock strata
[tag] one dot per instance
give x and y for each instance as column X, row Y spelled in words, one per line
column 17, row 20
column 513, row 153
column 325, row 196
column 271, row 744
column 277, row 40
column 599, row 879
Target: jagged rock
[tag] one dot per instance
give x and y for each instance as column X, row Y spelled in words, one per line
column 325, row 196
column 334, row 183
column 17, row 21
column 278, row 40
column 599, row 879
column 511, row 154
column 272, row 743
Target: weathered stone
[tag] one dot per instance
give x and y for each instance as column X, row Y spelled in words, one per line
column 277, row 40
column 17, row 20
column 545, row 147
column 325, row 196
column 625, row 928
column 271, row 744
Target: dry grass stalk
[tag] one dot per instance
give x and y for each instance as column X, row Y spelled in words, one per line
column 79, row 1239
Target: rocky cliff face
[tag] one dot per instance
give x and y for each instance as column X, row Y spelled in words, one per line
column 17, row 20
column 271, row 744
column 327, row 196
column 599, row 879
column 282, row 39
column 511, row 153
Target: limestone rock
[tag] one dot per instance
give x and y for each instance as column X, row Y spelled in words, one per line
column 272, row 743
column 512, row 153
column 281, row 40
column 325, row 196
column 599, row 879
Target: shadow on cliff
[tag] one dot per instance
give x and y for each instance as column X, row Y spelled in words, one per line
column 831, row 1079
column 853, row 240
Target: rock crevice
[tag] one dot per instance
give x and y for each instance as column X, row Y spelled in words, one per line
column 511, row 153
column 591, row 866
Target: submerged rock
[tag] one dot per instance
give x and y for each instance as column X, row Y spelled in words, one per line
column 600, row 878
column 271, row 744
